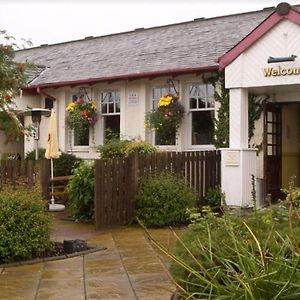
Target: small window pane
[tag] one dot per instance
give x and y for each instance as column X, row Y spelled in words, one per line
column 82, row 138
column 202, row 127
column 193, row 103
column 111, row 127
column 118, row 107
column 111, row 108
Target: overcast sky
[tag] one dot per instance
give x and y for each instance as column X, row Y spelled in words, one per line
column 54, row 21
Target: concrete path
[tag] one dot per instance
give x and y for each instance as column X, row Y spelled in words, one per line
column 130, row 268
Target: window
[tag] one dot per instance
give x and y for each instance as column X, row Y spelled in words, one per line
column 162, row 137
column 81, row 137
column 110, row 109
column 202, row 111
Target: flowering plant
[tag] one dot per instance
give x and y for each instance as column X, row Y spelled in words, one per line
column 166, row 118
column 81, row 114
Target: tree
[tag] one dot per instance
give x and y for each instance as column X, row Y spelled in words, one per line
column 12, row 78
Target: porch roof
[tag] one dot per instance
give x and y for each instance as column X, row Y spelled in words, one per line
column 189, row 47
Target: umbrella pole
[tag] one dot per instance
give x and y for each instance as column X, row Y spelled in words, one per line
column 52, row 184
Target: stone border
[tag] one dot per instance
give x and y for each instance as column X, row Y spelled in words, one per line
column 52, row 258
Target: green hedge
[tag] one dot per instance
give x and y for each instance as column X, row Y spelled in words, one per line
column 24, row 224
column 163, row 200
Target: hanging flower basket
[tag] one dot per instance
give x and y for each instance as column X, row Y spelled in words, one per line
column 81, row 114
column 166, row 118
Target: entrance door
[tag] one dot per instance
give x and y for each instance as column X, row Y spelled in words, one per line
column 273, row 139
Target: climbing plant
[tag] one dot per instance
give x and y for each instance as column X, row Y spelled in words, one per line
column 255, row 109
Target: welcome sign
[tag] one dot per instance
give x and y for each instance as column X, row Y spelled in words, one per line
column 279, row 71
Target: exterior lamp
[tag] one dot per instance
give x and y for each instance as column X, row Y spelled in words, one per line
column 36, row 116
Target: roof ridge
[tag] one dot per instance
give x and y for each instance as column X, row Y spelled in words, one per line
column 141, row 29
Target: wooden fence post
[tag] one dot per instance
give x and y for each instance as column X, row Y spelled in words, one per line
column 45, row 178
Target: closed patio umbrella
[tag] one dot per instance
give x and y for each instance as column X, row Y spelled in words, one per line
column 51, row 153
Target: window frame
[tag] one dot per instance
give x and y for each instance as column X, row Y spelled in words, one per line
column 153, row 104
column 190, row 111
column 87, row 97
column 108, row 113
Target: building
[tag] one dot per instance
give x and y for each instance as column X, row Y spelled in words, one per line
column 125, row 74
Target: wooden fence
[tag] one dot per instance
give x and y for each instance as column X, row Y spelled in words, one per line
column 16, row 171
column 30, row 172
column 116, row 180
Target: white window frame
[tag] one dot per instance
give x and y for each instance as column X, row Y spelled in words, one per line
column 87, row 96
column 191, row 110
column 107, row 113
column 153, row 103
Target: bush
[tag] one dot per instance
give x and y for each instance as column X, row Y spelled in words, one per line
column 31, row 154
column 24, row 225
column 163, row 200
column 62, row 166
column 139, row 147
column 254, row 257
column 81, row 191
column 116, row 148
column 215, row 197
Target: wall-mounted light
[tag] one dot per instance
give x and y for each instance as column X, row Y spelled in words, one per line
column 281, row 59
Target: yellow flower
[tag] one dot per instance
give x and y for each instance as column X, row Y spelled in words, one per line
column 71, row 106
column 165, row 101
column 93, row 106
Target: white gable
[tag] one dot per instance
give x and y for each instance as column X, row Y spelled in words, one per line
column 251, row 68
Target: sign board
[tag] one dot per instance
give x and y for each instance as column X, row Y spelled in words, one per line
column 133, row 99
column 232, row 158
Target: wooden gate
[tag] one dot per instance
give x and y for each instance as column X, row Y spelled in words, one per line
column 116, row 180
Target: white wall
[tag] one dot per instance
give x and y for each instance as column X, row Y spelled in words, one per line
column 248, row 69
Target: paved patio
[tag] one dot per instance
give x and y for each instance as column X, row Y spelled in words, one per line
column 130, row 268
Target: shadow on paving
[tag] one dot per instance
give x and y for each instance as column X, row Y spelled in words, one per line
column 129, row 267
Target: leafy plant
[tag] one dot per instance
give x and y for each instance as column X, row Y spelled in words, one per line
column 13, row 76
column 214, row 197
column 81, row 115
column 116, row 148
column 166, row 119
column 24, row 225
column 81, row 191
column 62, row 166
column 163, row 199
column 238, row 258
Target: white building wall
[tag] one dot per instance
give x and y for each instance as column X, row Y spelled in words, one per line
column 248, row 69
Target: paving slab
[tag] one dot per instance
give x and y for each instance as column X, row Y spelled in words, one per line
column 128, row 269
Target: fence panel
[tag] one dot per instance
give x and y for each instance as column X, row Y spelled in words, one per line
column 18, row 171
column 116, row 180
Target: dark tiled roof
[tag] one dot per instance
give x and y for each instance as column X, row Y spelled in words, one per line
column 193, row 44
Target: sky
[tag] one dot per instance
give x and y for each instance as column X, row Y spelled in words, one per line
column 55, row 21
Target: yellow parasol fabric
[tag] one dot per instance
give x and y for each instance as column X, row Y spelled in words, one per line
column 52, row 150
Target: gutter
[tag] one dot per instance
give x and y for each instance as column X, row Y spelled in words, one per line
column 129, row 77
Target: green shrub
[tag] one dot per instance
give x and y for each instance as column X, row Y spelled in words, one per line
column 24, row 225
column 81, row 191
column 163, row 199
column 139, row 147
column 116, row 148
column 31, row 154
column 62, row 166
column 214, row 197
column 231, row 257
